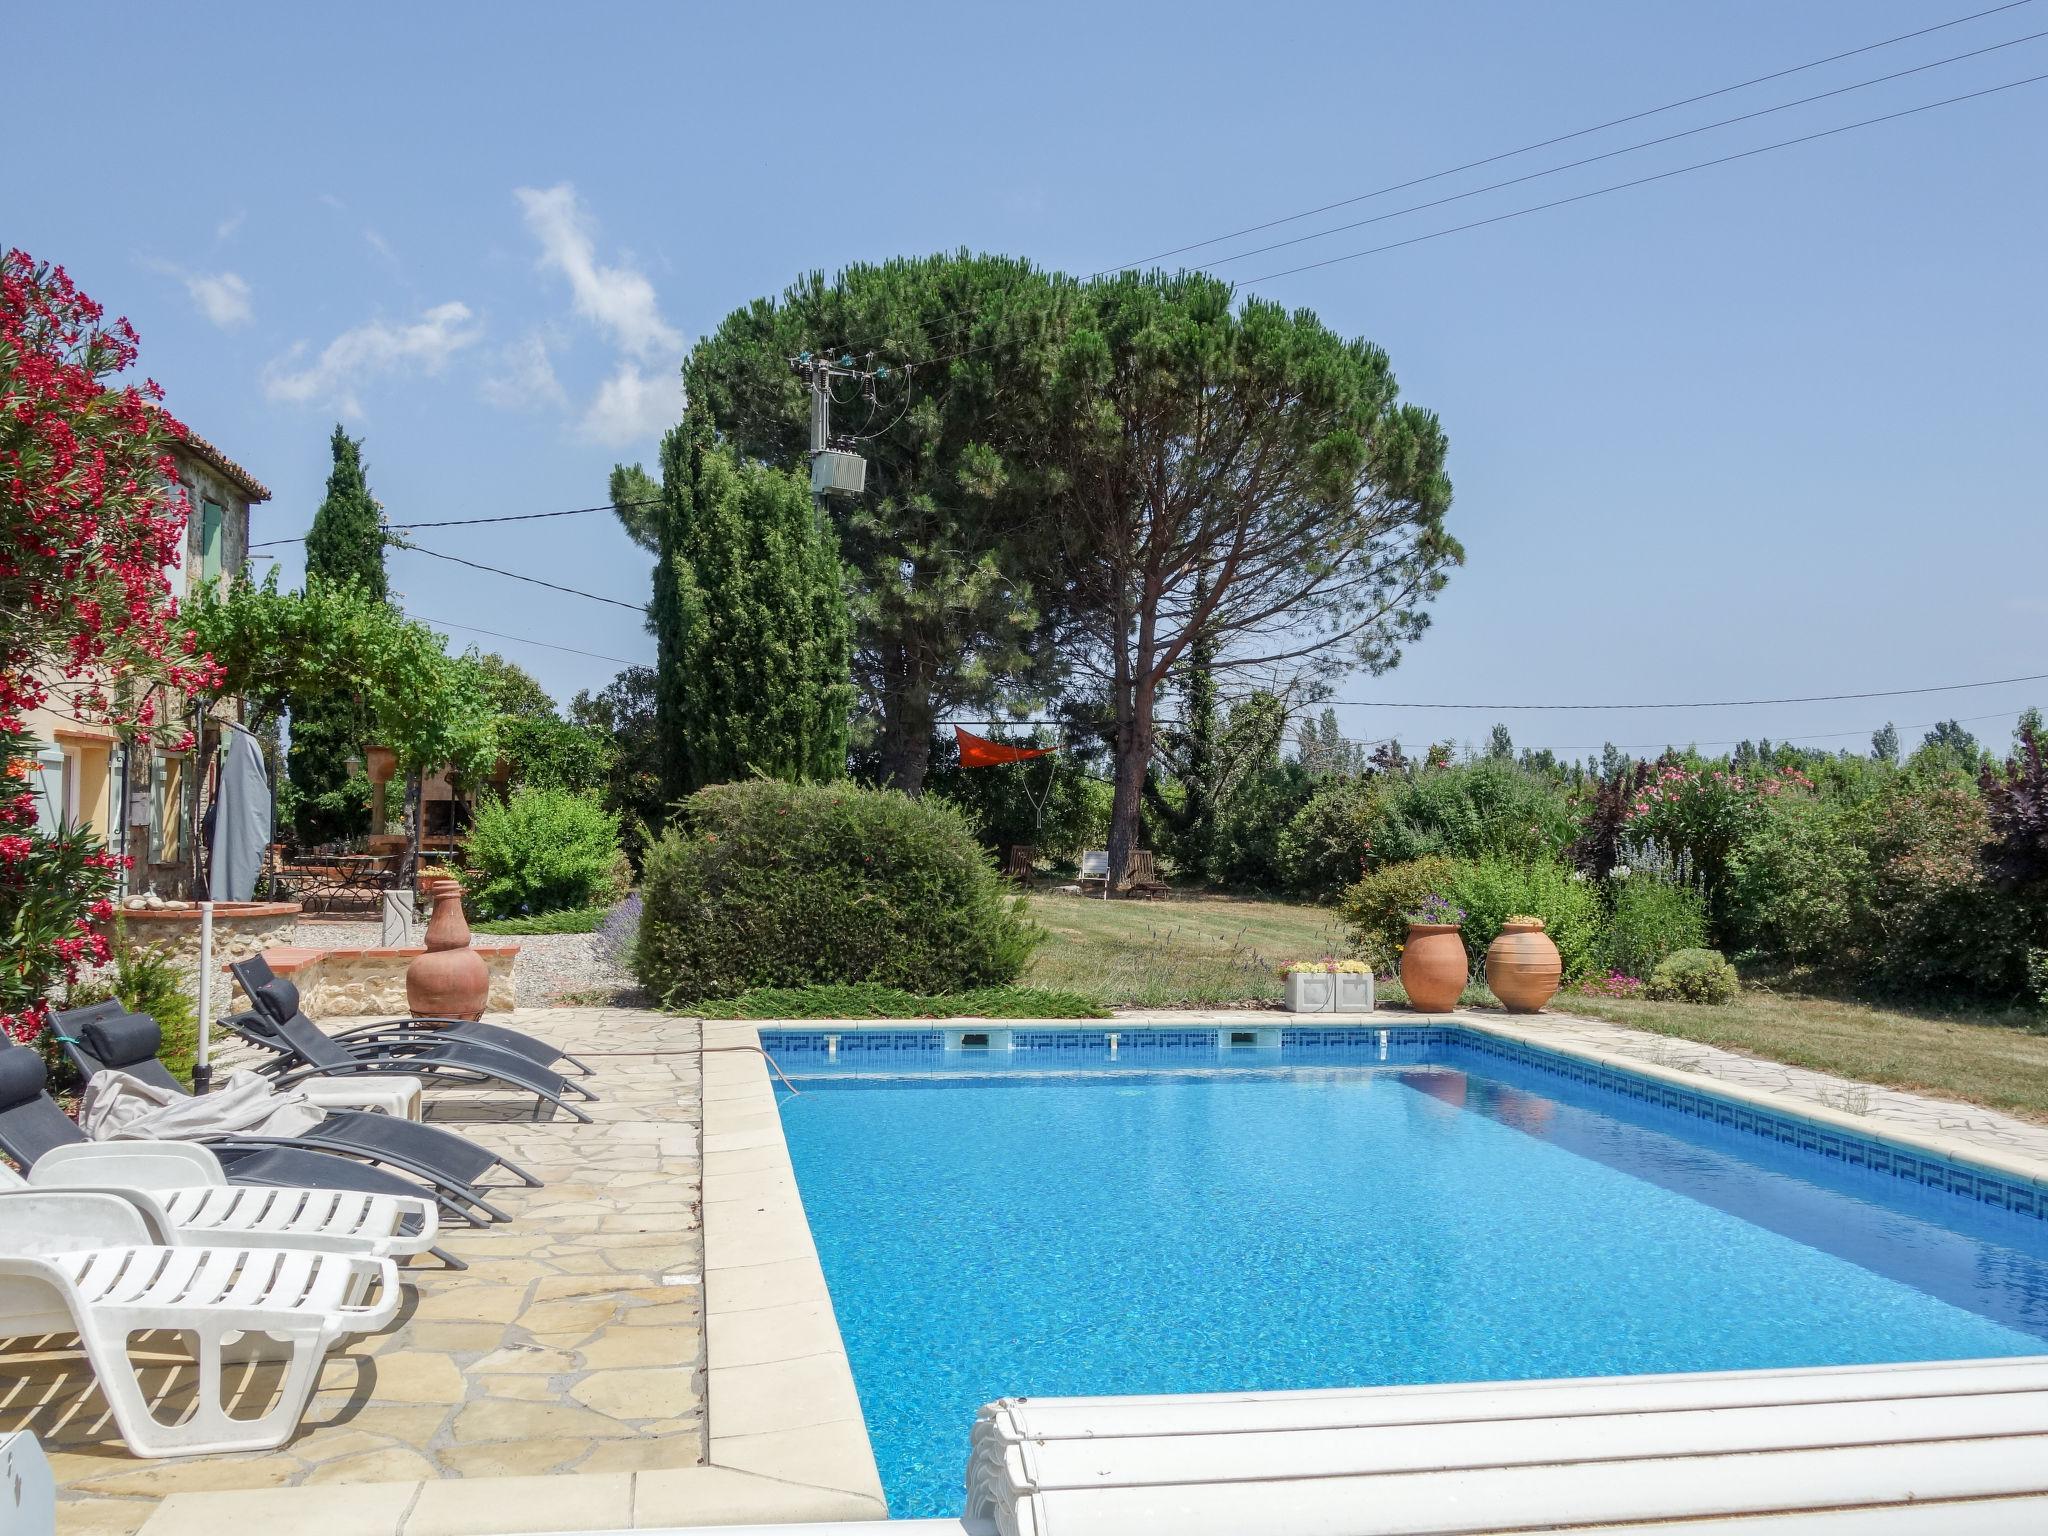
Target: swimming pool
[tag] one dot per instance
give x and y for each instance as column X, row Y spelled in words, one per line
column 1352, row 1207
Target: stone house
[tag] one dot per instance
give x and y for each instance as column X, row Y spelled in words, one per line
column 141, row 800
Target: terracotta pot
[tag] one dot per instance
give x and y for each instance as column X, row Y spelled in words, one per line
column 450, row 981
column 1434, row 967
column 1522, row 967
column 380, row 763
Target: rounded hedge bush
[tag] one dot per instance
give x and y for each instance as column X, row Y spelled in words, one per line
column 767, row 884
column 541, row 850
column 1693, row 976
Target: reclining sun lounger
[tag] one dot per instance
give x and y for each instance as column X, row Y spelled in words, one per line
column 183, row 1197
column 32, row 1126
column 277, row 998
column 105, row 1037
column 309, row 1051
column 77, row 1262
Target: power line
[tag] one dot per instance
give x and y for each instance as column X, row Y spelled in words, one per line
column 1492, row 159
column 1811, row 698
column 1627, row 149
column 1659, row 746
column 546, row 645
column 532, row 580
column 508, row 517
column 1623, row 186
column 1579, row 133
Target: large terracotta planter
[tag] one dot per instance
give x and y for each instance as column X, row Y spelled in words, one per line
column 1434, row 967
column 450, row 981
column 1522, row 967
column 380, row 763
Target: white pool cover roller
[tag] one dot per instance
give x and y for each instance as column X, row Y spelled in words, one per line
column 1887, row 1450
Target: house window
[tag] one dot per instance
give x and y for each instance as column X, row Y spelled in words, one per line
column 212, row 528
column 46, row 786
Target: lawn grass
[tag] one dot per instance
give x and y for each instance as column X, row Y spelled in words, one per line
column 1990, row 1056
column 866, row 1000
column 1215, row 951
column 1188, row 952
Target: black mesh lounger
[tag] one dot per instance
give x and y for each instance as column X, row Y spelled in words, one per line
column 32, row 1124
column 107, row 1036
column 308, row 1051
column 276, row 998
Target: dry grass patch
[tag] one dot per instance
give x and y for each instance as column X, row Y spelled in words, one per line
column 1992, row 1057
column 1187, row 952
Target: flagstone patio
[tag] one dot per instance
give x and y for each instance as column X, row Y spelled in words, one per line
column 573, row 1343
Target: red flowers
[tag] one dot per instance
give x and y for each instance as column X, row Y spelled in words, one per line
column 91, row 520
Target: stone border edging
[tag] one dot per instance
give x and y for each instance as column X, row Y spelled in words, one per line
column 779, row 1395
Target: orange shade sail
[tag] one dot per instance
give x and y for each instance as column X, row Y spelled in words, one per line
column 980, row 752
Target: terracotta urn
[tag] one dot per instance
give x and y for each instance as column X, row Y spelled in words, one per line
column 380, row 763
column 1434, row 966
column 1522, row 966
column 450, row 981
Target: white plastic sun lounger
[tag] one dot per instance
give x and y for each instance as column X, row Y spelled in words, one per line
column 80, row 1262
column 184, row 1197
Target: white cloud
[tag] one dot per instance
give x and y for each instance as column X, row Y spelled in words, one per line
column 633, row 405
column 620, row 299
column 522, row 376
column 228, row 227
column 380, row 245
column 357, row 355
column 223, row 297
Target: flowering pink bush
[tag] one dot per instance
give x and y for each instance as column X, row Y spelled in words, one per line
column 89, row 521
column 1613, row 984
column 1698, row 815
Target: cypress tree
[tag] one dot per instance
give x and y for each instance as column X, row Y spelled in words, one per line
column 751, row 620
column 345, row 545
column 346, row 541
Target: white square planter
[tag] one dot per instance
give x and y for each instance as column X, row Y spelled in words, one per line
column 1311, row 992
column 1354, row 992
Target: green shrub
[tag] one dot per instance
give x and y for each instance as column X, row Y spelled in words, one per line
column 1492, row 890
column 541, row 850
column 1936, row 923
column 766, row 884
column 147, row 978
column 1797, row 880
column 866, row 1000
column 1375, row 908
column 1323, row 848
column 1468, row 810
column 1693, row 976
column 1651, row 918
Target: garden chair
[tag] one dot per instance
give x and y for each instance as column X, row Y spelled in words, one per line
column 306, row 1051
column 72, row 1261
column 105, row 1037
column 32, row 1127
column 183, row 1196
column 1094, row 865
column 278, row 998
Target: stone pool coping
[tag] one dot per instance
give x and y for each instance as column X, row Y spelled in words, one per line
column 779, row 1395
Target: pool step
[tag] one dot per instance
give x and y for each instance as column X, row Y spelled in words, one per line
column 1884, row 1450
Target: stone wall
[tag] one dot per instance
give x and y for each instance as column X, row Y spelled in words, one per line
column 240, row 929
column 359, row 983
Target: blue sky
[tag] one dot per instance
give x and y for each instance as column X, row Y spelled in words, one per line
column 1771, row 428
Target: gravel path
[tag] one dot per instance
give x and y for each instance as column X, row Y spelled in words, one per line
column 550, row 965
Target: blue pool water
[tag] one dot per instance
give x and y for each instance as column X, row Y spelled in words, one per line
column 1319, row 1218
